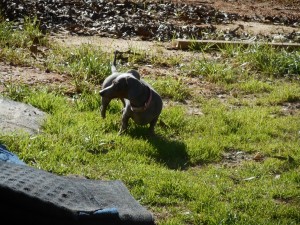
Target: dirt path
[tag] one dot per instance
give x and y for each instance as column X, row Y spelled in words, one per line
column 15, row 75
column 256, row 8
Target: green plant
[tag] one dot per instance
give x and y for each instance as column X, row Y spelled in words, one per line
column 254, row 86
column 171, row 88
column 15, row 91
column 216, row 72
column 273, row 62
column 88, row 64
column 24, row 38
column 16, row 44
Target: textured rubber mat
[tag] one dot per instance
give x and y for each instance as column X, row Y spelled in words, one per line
column 32, row 196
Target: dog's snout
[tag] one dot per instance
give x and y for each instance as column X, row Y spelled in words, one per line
column 106, row 92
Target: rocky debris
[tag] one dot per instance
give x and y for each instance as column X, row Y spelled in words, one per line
column 234, row 157
column 118, row 19
column 19, row 117
column 127, row 19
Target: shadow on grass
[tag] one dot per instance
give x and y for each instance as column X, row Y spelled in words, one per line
column 171, row 153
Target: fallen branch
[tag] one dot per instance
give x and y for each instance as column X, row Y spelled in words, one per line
column 184, row 44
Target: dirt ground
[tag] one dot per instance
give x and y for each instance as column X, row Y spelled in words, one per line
column 272, row 8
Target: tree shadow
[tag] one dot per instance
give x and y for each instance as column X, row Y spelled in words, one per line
column 171, row 153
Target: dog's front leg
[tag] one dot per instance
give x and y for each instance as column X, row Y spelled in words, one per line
column 104, row 103
column 124, row 125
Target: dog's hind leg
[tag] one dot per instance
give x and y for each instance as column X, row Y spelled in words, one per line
column 152, row 125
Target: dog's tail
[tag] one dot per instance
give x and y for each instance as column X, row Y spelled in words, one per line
column 114, row 64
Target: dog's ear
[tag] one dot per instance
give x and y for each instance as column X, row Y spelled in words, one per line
column 131, row 81
column 135, row 74
column 133, row 86
column 126, row 79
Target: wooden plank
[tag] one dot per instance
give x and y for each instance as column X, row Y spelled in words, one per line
column 185, row 44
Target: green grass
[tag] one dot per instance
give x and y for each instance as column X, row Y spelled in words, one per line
column 180, row 175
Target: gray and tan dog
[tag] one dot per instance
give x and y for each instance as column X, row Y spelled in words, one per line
column 142, row 103
column 105, row 100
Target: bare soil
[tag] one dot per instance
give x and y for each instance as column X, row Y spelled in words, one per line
column 250, row 8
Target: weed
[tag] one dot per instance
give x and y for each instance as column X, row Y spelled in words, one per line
column 14, row 38
column 284, row 92
column 254, row 86
column 272, row 62
column 88, row 64
column 216, row 72
column 171, row 88
column 16, row 43
column 15, row 91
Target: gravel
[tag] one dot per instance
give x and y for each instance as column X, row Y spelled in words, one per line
column 127, row 19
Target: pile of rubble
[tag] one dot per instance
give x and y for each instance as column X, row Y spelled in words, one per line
column 127, row 19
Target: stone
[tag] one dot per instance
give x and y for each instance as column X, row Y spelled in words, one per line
column 16, row 117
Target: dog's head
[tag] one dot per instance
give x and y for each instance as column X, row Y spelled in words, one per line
column 119, row 87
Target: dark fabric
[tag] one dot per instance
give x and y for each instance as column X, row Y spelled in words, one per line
column 32, row 196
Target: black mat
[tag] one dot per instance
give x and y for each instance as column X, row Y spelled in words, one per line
column 32, row 196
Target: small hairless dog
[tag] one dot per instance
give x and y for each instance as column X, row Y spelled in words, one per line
column 142, row 103
column 105, row 100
